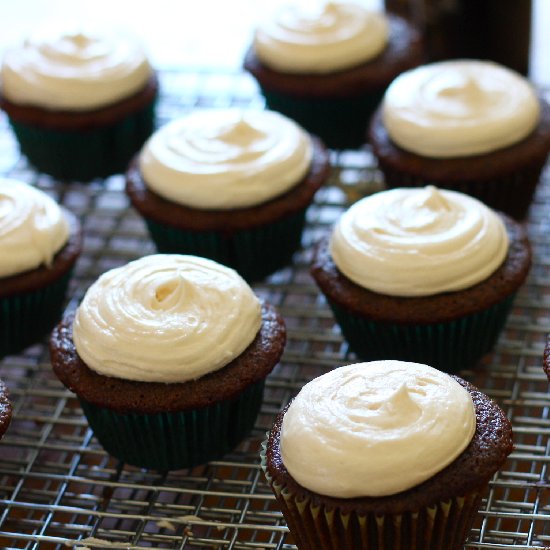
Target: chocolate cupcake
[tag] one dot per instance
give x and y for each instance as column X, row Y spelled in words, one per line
column 39, row 245
column 5, row 409
column 80, row 103
column 328, row 68
column 471, row 126
column 385, row 454
column 423, row 275
column 232, row 185
column 168, row 356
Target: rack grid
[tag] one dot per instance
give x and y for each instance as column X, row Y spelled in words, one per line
column 59, row 489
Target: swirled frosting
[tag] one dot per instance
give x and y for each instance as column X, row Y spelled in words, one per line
column 226, row 158
column 459, row 108
column 165, row 318
column 33, row 228
column 375, row 429
column 418, row 242
column 73, row 69
column 328, row 37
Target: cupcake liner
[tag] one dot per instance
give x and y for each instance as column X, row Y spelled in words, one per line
column 340, row 122
column 87, row 153
column 254, row 253
column 449, row 346
column 511, row 194
column 316, row 526
column 28, row 316
column 180, row 439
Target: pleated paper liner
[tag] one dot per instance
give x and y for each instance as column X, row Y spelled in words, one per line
column 180, row 439
column 340, row 123
column 28, row 316
column 511, row 194
column 449, row 346
column 254, row 252
column 443, row 526
column 88, row 153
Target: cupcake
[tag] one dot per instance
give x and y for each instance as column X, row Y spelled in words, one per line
column 471, row 126
column 5, row 409
column 232, row 185
column 422, row 274
column 386, row 454
column 39, row 245
column 168, row 356
column 327, row 67
column 81, row 103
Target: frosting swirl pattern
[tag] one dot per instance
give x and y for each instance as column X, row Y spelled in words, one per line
column 226, row 158
column 459, row 108
column 33, row 228
column 165, row 318
column 418, row 242
column 329, row 37
column 375, row 429
column 73, row 69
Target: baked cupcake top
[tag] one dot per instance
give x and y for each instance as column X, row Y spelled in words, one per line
column 226, row 158
column 459, row 108
column 73, row 69
column 418, row 242
column 324, row 37
column 33, row 227
column 165, row 318
column 375, row 429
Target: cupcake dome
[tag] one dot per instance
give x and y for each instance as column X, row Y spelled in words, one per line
column 80, row 101
column 39, row 245
column 422, row 274
column 386, row 454
column 168, row 356
column 232, row 185
column 468, row 125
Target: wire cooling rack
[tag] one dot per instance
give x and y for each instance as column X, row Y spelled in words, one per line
column 59, row 489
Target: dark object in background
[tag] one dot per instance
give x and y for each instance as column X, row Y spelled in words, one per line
column 499, row 30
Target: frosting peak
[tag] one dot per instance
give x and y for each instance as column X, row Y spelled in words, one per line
column 418, row 242
column 375, row 429
column 73, row 69
column 322, row 38
column 226, row 158
column 33, row 228
column 165, row 318
column 459, row 108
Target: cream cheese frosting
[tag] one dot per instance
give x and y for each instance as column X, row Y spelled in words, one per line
column 33, row 228
column 226, row 158
column 375, row 429
column 459, row 108
column 418, row 242
column 323, row 38
column 73, row 69
column 165, row 318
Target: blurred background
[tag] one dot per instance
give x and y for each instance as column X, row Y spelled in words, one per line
column 209, row 34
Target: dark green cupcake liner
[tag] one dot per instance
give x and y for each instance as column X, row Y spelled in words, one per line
column 314, row 526
column 511, row 194
column 85, row 154
column 28, row 316
column 449, row 346
column 340, row 122
column 175, row 440
column 254, row 253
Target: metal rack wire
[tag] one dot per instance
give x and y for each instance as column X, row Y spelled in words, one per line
column 59, row 489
